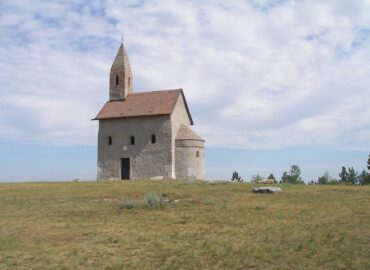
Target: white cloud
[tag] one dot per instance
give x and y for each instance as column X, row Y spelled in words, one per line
column 258, row 74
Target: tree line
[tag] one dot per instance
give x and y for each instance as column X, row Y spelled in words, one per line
column 347, row 176
column 293, row 176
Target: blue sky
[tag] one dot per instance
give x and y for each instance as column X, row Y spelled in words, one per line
column 269, row 83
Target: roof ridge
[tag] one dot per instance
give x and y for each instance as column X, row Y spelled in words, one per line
column 156, row 91
column 143, row 104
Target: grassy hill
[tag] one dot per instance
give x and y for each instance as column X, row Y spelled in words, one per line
column 106, row 225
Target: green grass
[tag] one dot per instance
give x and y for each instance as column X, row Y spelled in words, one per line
column 108, row 225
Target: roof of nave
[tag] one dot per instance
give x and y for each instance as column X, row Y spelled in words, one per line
column 185, row 133
column 143, row 104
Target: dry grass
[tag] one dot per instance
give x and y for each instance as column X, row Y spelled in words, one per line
column 214, row 226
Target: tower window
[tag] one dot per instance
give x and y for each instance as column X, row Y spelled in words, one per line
column 110, row 140
column 132, row 140
column 129, row 82
column 197, row 154
column 117, row 80
column 153, row 139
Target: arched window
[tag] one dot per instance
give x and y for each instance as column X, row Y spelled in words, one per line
column 117, row 80
column 110, row 140
column 153, row 139
column 197, row 154
column 129, row 82
column 132, row 140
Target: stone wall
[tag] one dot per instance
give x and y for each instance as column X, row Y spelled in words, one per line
column 146, row 159
column 121, row 68
column 189, row 159
column 179, row 116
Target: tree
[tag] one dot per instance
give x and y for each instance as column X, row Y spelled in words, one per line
column 364, row 178
column 293, row 177
column 236, row 177
column 272, row 177
column 343, row 176
column 284, row 178
column 352, row 176
column 256, row 178
column 295, row 173
column 324, row 179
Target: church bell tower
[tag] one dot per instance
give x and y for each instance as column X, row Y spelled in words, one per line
column 120, row 83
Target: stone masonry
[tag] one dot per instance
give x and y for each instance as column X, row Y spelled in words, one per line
column 146, row 134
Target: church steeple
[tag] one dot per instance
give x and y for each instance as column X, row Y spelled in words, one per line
column 120, row 83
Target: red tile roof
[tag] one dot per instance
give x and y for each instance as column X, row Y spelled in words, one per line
column 143, row 104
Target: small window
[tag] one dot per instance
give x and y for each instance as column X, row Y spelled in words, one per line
column 117, row 80
column 129, row 82
column 153, row 139
column 110, row 140
column 197, row 154
column 132, row 140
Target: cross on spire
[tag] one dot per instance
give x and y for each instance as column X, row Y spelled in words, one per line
column 122, row 39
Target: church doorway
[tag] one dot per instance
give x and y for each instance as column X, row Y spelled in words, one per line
column 125, row 168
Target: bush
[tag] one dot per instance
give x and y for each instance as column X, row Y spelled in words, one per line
column 128, row 205
column 153, row 201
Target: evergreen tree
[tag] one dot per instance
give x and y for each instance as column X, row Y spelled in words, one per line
column 256, row 178
column 325, row 179
column 352, row 176
column 367, row 180
column 295, row 173
column 272, row 177
column 322, row 180
column 343, row 176
column 364, row 178
column 294, row 176
column 284, row 178
column 236, row 177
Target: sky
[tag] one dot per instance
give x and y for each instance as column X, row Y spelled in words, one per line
column 269, row 83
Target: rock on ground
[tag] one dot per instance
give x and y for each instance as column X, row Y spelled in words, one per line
column 266, row 190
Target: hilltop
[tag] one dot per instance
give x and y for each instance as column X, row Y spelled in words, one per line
column 109, row 225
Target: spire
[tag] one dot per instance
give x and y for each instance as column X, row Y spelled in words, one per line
column 120, row 83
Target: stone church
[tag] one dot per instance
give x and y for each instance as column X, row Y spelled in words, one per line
column 146, row 134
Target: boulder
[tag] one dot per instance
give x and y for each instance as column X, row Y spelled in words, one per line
column 266, row 181
column 266, row 190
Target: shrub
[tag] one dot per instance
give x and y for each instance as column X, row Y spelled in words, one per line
column 153, row 201
column 128, row 205
column 209, row 201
